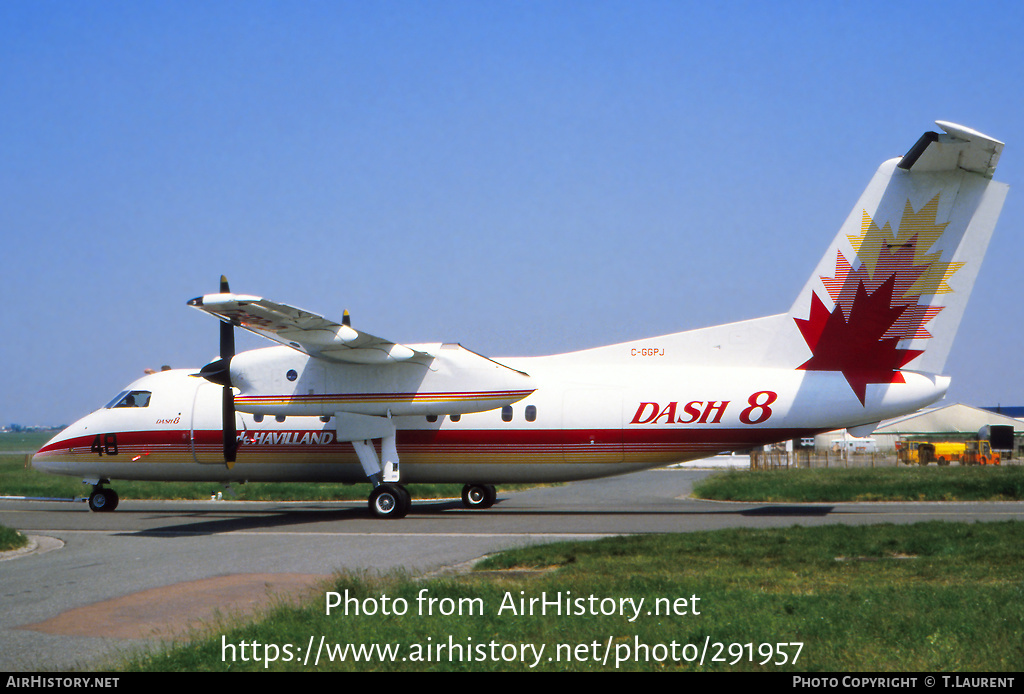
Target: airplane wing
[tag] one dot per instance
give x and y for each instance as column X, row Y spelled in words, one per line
column 304, row 331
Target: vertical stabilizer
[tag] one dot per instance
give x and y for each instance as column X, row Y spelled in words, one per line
column 891, row 289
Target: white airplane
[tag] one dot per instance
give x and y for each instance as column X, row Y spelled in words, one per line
column 866, row 339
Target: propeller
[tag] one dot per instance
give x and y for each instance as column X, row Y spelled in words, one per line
column 219, row 372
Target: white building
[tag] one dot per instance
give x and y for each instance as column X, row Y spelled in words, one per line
column 955, row 422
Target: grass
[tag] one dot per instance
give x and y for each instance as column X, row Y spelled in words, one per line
column 927, row 597
column 24, row 441
column 11, row 539
column 1005, row 483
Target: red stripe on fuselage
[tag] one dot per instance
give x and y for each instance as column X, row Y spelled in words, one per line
column 635, row 444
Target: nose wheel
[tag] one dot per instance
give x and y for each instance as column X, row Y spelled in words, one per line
column 103, row 500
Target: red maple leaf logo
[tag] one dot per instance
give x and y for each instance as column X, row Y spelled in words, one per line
column 856, row 345
column 879, row 299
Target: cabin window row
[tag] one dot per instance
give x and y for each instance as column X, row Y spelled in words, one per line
column 507, row 415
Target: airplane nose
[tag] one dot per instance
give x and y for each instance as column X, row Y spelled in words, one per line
column 42, row 462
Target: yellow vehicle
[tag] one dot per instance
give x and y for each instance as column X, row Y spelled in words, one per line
column 979, row 452
column 924, row 452
column 973, row 452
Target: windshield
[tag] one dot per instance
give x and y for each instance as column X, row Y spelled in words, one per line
column 131, row 398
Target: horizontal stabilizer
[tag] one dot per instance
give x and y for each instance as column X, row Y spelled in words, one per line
column 959, row 147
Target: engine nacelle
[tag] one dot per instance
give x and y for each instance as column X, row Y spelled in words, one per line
column 451, row 380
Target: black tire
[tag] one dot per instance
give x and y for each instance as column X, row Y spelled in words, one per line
column 479, row 495
column 389, row 501
column 103, row 500
column 406, row 497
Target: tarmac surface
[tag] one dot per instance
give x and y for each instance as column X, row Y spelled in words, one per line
column 98, row 585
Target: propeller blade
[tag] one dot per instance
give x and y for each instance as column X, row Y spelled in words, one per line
column 219, row 372
column 227, row 331
column 230, row 433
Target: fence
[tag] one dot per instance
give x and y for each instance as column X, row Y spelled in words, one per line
column 809, row 458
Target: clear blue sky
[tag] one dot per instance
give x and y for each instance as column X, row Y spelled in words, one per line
column 521, row 177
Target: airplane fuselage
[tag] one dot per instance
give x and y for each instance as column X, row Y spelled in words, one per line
column 579, row 422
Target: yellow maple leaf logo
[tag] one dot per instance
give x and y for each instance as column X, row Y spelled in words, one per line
column 878, row 303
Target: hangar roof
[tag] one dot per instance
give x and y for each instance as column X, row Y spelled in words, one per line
column 1010, row 411
column 956, row 418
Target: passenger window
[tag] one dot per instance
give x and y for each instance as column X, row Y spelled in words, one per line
column 531, row 413
column 455, row 417
column 506, row 413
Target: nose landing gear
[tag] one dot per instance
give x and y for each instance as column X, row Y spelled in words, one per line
column 103, row 500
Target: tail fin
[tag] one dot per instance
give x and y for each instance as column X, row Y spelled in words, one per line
column 891, row 290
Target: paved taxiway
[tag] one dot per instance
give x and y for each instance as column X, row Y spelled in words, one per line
column 135, row 558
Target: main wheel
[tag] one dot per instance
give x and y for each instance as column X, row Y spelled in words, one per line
column 406, row 497
column 389, row 501
column 479, row 495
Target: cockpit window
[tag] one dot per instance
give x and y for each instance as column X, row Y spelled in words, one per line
column 116, row 399
column 131, row 398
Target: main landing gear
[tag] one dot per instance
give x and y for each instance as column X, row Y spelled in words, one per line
column 479, row 495
column 390, row 501
column 103, row 500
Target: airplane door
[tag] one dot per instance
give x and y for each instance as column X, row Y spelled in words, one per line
column 592, row 426
column 207, row 425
